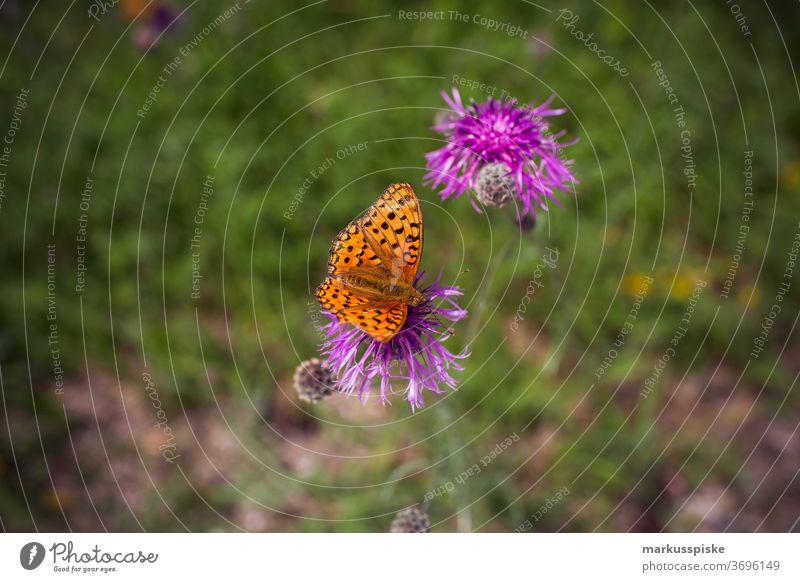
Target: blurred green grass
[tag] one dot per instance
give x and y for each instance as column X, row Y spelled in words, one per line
column 259, row 106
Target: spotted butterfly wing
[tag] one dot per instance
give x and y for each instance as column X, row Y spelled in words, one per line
column 373, row 263
column 393, row 226
column 381, row 319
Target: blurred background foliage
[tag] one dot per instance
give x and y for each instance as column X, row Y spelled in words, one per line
column 260, row 102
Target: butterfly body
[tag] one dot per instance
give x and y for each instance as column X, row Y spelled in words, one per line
column 379, row 288
column 373, row 265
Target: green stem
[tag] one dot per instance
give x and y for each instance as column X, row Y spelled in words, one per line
column 445, row 417
column 483, row 299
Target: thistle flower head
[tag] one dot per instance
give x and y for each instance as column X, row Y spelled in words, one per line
column 411, row 520
column 415, row 356
column 314, row 381
column 153, row 19
column 500, row 132
column 164, row 16
column 495, row 185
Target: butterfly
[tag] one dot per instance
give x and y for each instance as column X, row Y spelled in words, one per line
column 373, row 264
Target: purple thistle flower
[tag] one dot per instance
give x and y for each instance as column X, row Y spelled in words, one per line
column 164, row 17
column 500, row 132
column 415, row 355
column 156, row 19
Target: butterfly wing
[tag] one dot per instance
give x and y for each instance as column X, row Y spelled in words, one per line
column 380, row 319
column 337, row 298
column 393, row 228
column 351, row 251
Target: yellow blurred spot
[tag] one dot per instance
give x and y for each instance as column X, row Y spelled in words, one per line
column 638, row 284
column 743, row 296
column 791, row 174
column 681, row 283
column 682, row 287
column 135, row 8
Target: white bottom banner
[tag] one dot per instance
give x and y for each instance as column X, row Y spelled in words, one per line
column 387, row 557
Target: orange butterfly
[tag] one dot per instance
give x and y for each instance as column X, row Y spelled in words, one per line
column 373, row 264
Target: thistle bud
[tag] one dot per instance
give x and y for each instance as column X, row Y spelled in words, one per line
column 411, row 520
column 314, row 381
column 495, row 185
